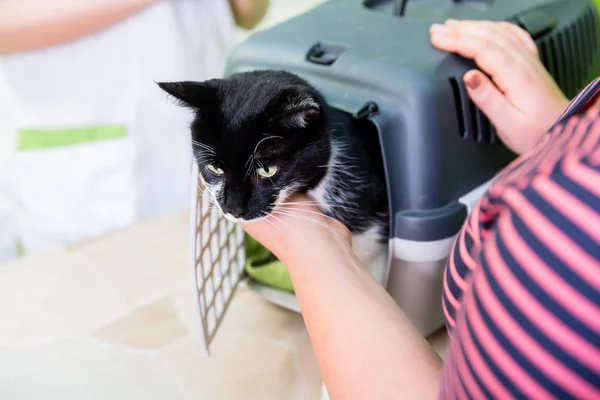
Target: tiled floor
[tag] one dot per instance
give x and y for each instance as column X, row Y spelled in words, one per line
column 114, row 319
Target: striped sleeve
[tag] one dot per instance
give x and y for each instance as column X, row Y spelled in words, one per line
column 527, row 320
column 580, row 102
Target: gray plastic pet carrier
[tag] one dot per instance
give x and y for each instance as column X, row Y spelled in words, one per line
column 439, row 150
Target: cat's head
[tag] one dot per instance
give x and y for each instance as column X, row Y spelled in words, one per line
column 258, row 137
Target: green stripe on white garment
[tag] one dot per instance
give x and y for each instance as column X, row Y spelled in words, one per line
column 35, row 139
column 20, row 248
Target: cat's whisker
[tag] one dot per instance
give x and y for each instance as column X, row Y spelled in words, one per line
column 212, row 203
column 311, row 212
column 249, row 165
column 204, row 149
column 297, row 215
column 293, row 215
column 204, row 146
column 262, row 140
column 336, row 205
column 249, row 160
column 273, row 224
column 209, row 196
column 290, row 228
column 202, row 156
column 348, row 251
column 312, row 202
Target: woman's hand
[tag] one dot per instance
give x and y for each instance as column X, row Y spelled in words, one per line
column 297, row 228
column 365, row 345
column 523, row 101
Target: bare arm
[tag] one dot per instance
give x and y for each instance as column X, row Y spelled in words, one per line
column 365, row 345
column 248, row 13
column 35, row 24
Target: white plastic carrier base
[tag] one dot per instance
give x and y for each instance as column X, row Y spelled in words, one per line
column 414, row 277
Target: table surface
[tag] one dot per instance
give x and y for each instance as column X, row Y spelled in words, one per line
column 114, row 318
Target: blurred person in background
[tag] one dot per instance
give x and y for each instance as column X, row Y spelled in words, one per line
column 88, row 143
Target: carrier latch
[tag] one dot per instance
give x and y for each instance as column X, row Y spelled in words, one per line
column 367, row 110
column 324, row 53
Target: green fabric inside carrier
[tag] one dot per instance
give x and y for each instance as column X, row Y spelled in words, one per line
column 265, row 268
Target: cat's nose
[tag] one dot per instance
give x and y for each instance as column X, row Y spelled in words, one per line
column 236, row 212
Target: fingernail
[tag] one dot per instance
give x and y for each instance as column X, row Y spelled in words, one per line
column 451, row 21
column 473, row 80
column 437, row 28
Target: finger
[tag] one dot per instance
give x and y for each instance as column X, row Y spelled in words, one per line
column 489, row 99
column 493, row 32
column 521, row 35
column 518, row 37
column 494, row 60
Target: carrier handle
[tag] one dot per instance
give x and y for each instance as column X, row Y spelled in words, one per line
column 400, row 5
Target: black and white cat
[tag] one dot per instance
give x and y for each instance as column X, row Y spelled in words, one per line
column 261, row 136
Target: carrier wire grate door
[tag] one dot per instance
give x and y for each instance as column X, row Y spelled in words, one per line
column 218, row 260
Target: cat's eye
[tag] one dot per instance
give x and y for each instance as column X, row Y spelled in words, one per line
column 267, row 172
column 215, row 170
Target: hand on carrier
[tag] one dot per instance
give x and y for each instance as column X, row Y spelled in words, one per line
column 521, row 99
column 297, row 228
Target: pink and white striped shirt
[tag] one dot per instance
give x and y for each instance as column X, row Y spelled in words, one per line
column 522, row 285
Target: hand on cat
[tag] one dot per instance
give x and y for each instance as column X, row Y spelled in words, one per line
column 298, row 229
column 523, row 101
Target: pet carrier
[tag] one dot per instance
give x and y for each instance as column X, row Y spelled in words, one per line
column 373, row 59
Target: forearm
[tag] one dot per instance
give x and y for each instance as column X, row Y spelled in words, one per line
column 248, row 13
column 34, row 24
column 365, row 345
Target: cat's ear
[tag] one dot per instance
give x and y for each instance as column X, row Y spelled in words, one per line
column 194, row 95
column 299, row 110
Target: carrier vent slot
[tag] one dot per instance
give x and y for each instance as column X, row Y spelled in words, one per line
column 562, row 64
column 587, row 26
column 568, row 51
column 571, row 58
column 590, row 28
column 541, row 45
column 472, row 123
column 593, row 23
column 458, row 104
column 579, row 40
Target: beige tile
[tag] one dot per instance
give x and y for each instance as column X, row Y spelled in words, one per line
column 241, row 367
column 185, row 304
column 149, row 327
column 250, row 314
column 52, row 295
column 145, row 262
column 78, row 369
